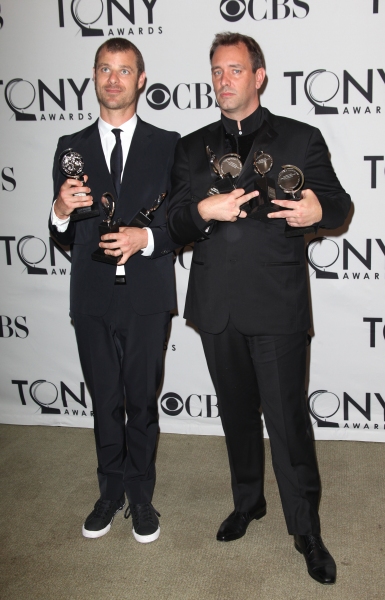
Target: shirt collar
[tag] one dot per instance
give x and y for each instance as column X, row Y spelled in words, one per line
column 128, row 127
column 248, row 125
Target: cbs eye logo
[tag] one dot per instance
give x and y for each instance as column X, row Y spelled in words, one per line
column 158, row 96
column 172, row 404
column 232, row 10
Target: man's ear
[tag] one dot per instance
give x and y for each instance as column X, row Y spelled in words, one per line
column 260, row 75
column 93, row 74
column 141, row 80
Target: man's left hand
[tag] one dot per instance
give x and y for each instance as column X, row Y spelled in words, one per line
column 303, row 213
column 128, row 241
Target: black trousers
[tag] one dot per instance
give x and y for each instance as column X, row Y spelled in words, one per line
column 121, row 355
column 266, row 373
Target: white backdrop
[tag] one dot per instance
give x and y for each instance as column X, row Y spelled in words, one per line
column 325, row 66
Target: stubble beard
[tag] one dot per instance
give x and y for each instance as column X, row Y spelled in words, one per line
column 227, row 104
column 114, row 104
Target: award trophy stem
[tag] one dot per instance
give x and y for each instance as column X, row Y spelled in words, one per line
column 99, row 254
column 107, row 226
column 291, row 180
column 146, row 215
column 260, row 206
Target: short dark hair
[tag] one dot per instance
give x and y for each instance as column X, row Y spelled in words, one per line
column 234, row 39
column 121, row 45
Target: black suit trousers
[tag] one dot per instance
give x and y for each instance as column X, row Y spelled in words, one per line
column 121, row 354
column 266, row 373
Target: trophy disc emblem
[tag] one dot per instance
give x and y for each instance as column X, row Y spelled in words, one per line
column 261, row 206
column 230, row 164
column 290, row 180
column 71, row 164
column 226, row 169
column 262, row 162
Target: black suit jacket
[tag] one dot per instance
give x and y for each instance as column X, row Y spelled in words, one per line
column 146, row 174
column 249, row 270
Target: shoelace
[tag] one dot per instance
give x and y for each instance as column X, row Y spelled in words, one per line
column 140, row 511
column 312, row 542
column 102, row 507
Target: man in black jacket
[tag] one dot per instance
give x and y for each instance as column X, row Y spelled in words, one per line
column 121, row 313
column 248, row 292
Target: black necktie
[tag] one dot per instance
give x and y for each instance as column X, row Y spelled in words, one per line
column 116, row 162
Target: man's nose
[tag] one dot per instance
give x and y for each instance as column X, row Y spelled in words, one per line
column 225, row 80
column 112, row 77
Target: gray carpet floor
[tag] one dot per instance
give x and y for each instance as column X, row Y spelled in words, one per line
column 48, row 486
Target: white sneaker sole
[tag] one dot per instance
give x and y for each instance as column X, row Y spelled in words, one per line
column 146, row 539
column 96, row 534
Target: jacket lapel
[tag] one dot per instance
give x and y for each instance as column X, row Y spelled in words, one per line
column 214, row 137
column 99, row 164
column 136, row 158
column 264, row 137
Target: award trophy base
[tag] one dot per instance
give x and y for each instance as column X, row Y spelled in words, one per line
column 223, row 185
column 142, row 219
column 85, row 213
column 145, row 216
column 99, row 254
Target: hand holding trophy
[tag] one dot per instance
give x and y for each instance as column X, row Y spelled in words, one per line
column 107, row 226
column 261, row 206
column 71, row 165
column 142, row 219
column 291, row 180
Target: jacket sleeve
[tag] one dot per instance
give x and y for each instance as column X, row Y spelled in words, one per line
column 66, row 237
column 321, row 178
column 163, row 243
column 184, row 221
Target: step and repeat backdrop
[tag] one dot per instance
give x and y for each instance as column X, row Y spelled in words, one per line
column 325, row 66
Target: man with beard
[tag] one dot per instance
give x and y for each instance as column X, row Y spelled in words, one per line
column 121, row 314
column 248, row 292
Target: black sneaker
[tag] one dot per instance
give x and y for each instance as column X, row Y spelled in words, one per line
column 99, row 522
column 145, row 523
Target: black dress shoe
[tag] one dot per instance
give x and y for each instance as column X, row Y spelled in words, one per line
column 320, row 563
column 234, row 527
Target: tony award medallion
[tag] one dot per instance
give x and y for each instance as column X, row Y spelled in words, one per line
column 107, row 226
column 291, row 180
column 145, row 216
column 261, row 205
column 226, row 169
column 71, row 165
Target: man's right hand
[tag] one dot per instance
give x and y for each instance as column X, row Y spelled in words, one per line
column 225, row 207
column 66, row 202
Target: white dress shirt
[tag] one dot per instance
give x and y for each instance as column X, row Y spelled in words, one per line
column 108, row 141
